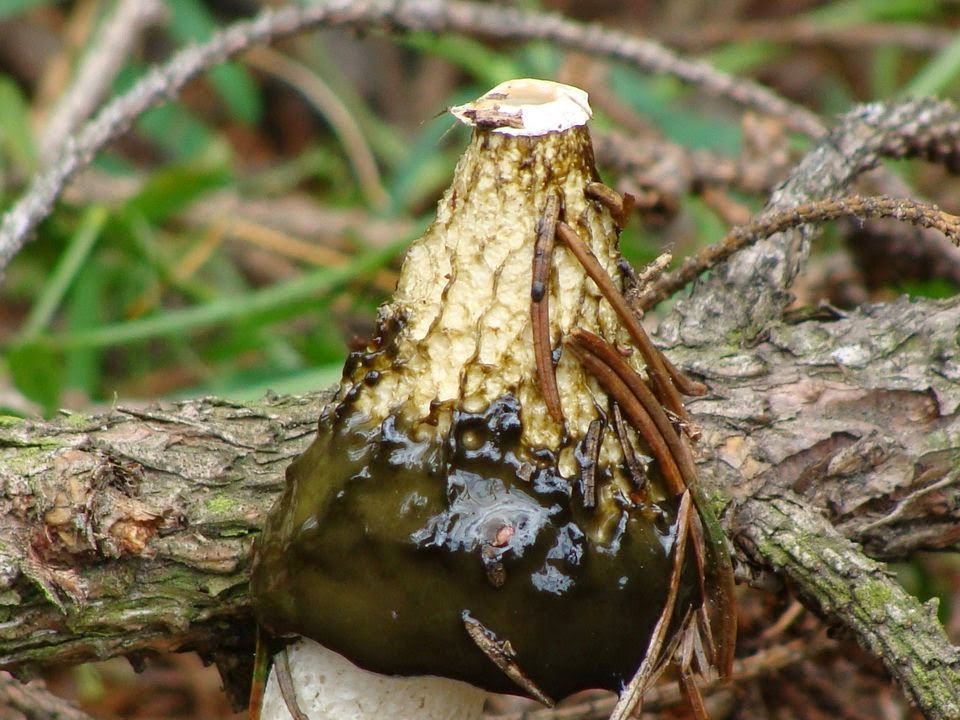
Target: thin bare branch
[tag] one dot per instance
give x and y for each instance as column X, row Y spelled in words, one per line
column 653, row 270
column 750, row 290
column 408, row 15
column 653, row 57
column 887, row 251
column 909, row 36
column 100, row 65
column 911, row 211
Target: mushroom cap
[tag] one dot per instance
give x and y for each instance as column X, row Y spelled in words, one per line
column 527, row 107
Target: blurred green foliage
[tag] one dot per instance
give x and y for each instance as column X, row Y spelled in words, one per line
column 126, row 293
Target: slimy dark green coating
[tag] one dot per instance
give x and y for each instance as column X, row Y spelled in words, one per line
column 387, row 533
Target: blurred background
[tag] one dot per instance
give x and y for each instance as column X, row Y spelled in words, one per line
column 240, row 238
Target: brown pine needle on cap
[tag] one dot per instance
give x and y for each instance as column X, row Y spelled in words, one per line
column 502, row 655
column 620, row 206
column 654, row 661
column 662, row 372
column 540, row 306
column 636, row 413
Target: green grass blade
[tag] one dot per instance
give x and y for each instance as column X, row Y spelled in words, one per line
column 66, row 270
column 174, row 188
column 849, row 12
column 16, row 136
column 83, row 309
column 12, row 7
column 938, row 73
column 37, row 371
column 228, row 309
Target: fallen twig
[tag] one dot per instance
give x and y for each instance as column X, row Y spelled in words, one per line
column 750, row 290
column 98, row 68
column 502, row 23
column 912, row 211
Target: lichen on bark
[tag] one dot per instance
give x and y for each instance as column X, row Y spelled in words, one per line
column 194, row 600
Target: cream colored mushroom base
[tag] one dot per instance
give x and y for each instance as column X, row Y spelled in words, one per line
column 439, row 488
column 329, row 686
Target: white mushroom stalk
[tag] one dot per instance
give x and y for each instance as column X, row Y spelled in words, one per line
column 498, row 494
column 327, row 686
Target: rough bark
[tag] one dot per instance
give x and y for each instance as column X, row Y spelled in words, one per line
column 751, row 290
column 847, row 432
column 131, row 531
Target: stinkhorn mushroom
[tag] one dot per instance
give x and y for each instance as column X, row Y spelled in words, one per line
column 499, row 493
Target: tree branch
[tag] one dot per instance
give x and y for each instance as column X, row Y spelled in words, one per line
column 131, row 532
column 100, row 65
column 832, row 574
column 805, row 32
column 32, row 701
column 751, row 290
column 766, row 224
column 407, row 15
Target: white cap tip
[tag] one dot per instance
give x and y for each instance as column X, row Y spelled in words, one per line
column 527, row 107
